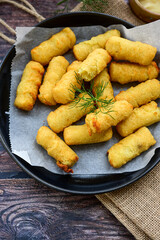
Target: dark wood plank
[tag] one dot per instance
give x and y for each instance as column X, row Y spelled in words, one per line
column 24, row 201
column 32, row 211
column 6, row 163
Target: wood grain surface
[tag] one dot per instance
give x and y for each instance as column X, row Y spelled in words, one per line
column 30, row 210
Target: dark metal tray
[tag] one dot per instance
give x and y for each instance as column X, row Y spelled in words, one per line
column 69, row 183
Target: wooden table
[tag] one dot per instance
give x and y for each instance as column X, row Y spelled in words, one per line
column 32, row 211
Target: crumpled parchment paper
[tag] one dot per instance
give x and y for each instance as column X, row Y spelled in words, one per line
column 24, row 125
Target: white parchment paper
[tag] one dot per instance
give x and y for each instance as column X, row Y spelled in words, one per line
column 24, row 125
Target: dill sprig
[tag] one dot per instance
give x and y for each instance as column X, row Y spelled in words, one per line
column 95, row 5
column 93, row 101
column 65, row 7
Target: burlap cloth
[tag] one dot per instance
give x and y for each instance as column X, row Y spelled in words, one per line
column 137, row 206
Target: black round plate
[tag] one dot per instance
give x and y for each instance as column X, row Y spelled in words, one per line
column 69, row 183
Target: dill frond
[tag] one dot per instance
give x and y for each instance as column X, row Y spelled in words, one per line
column 65, row 6
column 80, row 94
column 95, row 5
column 91, row 101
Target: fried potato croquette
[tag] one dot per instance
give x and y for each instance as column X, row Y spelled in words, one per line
column 74, row 65
column 130, row 147
column 102, row 81
column 124, row 49
column 125, row 72
column 27, row 90
column 83, row 49
column 57, row 45
column 67, row 114
column 144, row 116
column 78, row 134
column 56, row 69
column 64, row 92
column 99, row 121
column 93, row 64
column 141, row 94
column 65, row 157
